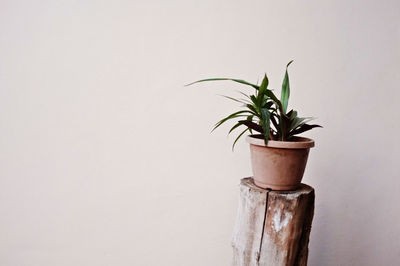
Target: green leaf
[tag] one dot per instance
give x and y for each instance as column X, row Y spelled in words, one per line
column 231, row 116
column 233, row 99
column 284, row 123
column 302, row 129
column 238, row 124
column 244, row 94
column 265, row 116
column 238, row 137
column 299, row 121
column 262, row 90
column 252, row 108
column 271, row 95
column 292, row 115
column 285, row 93
column 235, row 80
column 253, row 99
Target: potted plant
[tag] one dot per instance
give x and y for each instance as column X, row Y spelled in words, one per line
column 278, row 155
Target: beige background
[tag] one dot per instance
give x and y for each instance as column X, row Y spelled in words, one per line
column 106, row 159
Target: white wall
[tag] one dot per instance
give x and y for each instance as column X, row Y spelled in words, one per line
column 106, row 159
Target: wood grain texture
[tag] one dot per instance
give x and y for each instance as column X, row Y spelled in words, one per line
column 272, row 227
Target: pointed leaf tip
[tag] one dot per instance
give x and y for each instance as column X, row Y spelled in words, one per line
column 238, row 137
column 218, row 79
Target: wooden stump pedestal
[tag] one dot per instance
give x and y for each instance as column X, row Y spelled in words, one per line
column 272, row 227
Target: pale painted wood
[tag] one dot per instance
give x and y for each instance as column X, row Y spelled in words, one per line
column 272, row 227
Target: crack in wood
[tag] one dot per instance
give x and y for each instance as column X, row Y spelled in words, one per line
column 256, row 240
column 263, row 227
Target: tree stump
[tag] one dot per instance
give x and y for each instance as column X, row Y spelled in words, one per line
column 272, row 227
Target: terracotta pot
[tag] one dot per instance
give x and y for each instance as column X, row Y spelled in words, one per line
column 279, row 165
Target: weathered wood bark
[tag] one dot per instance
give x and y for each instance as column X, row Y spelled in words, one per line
column 272, row 227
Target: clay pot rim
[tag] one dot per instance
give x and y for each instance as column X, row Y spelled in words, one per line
column 296, row 143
